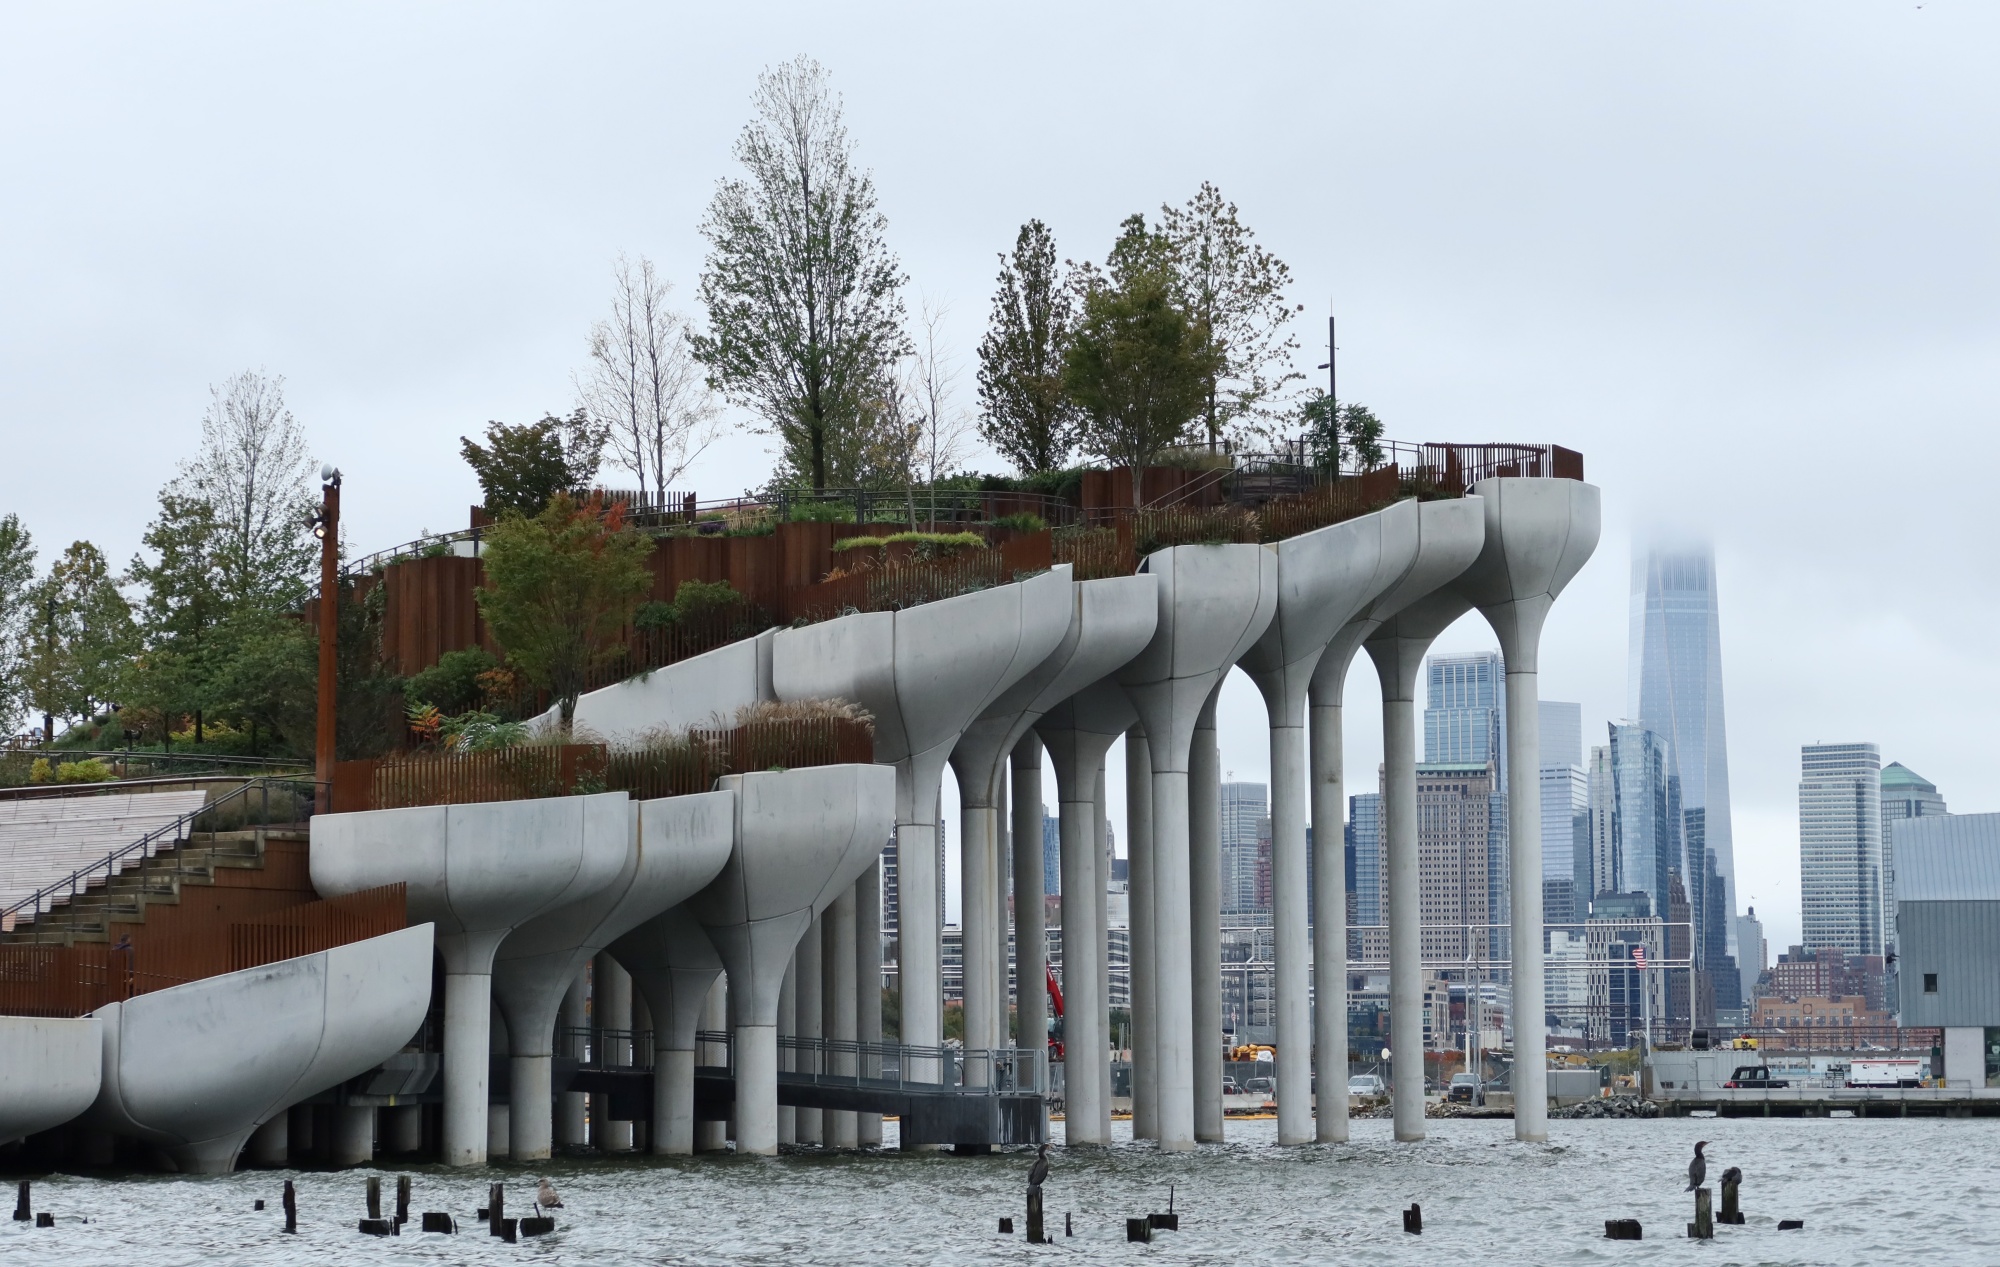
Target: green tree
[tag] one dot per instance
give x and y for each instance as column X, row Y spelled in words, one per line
column 804, row 297
column 521, row 467
column 184, row 599
column 1024, row 412
column 81, row 637
column 1332, row 430
column 560, row 588
column 17, row 578
column 1233, row 290
column 1137, row 367
column 265, row 674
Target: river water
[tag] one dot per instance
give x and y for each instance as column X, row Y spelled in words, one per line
column 1871, row 1191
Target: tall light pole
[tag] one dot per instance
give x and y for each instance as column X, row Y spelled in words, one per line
column 327, row 528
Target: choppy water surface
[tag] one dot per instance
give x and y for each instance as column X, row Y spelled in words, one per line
column 1871, row 1192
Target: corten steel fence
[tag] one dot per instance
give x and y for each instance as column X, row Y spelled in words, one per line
column 678, row 767
column 51, row 979
column 259, row 802
column 657, row 647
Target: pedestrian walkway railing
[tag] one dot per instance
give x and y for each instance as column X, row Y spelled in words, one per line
column 832, row 1062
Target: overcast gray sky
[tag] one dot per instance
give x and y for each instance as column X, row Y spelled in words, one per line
column 1741, row 255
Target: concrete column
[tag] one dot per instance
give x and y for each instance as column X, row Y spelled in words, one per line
column 1139, row 810
column 1524, row 850
column 1406, row 973
column 1031, row 990
column 300, row 1131
column 757, row 1089
column 919, row 919
column 837, row 962
column 498, row 1120
column 1173, row 963
column 978, row 905
column 353, row 1135
column 1205, row 900
column 1329, row 809
column 1293, row 959
column 468, row 1036
column 530, row 1083
column 571, row 1116
column 788, row 1027
column 612, row 1003
column 713, row 1137
column 1083, row 962
column 868, row 983
column 810, row 992
column 270, row 1143
column 1100, row 834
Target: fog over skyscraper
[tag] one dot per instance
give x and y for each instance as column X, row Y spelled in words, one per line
column 1674, row 688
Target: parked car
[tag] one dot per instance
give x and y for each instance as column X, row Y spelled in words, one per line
column 1261, row 1086
column 1755, row 1077
column 1366, row 1084
column 1229, row 1086
column 1464, row 1087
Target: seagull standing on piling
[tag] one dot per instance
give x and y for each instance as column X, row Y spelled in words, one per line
column 1040, row 1170
column 1698, row 1168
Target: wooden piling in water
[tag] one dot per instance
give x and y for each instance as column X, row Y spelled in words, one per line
column 291, row 1208
column 1413, row 1219
column 1067, row 1229
column 374, row 1197
column 402, row 1199
column 1622, row 1230
column 45, row 1219
column 1139, row 1229
column 1006, row 1226
column 1035, row 1236
column 1703, row 1227
column 1730, row 1214
column 22, row 1210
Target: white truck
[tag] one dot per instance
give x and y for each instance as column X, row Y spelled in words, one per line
column 1907, row 1072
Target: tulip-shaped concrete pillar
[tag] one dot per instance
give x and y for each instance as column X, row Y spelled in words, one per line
column 1449, row 537
column 1139, row 907
column 1078, row 732
column 1539, row 534
column 838, row 1004
column 809, row 998
column 677, row 845
column 801, row 837
column 1325, row 578
column 868, row 983
column 674, row 966
column 925, row 674
column 1214, row 603
column 477, row 872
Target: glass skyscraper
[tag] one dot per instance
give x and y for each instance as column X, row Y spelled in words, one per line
column 1465, row 710
column 1243, row 806
column 1674, row 689
column 1840, row 847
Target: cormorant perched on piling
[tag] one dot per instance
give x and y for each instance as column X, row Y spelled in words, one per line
column 1698, row 1168
column 545, row 1196
column 1040, row 1170
column 1732, row 1175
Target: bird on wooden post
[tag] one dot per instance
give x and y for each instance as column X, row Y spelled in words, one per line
column 1040, row 1170
column 1698, row 1168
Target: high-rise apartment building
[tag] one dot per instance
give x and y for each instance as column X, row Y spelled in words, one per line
column 1243, row 804
column 1752, row 957
column 1674, row 690
column 1645, row 814
column 1905, row 795
column 1840, row 847
column 1565, row 796
column 1461, row 825
column 1051, row 852
column 1364, row 837
column 1465, row 710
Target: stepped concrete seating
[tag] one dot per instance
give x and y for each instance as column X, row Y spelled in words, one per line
column 44, row 840
column 50, row 1071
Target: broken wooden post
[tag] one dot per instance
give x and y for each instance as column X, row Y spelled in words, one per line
column 1730, row 1214
column 22, row 1211
column 1703, row 1227
column 1413, row 1219
column 1006, row 1226
column 436, row 1221
column 1139, row 1229
column 1791, row 1225
column 402, row 1199
column 496, row 1201
column 1622, row 1230
column 374, row 1196
column 291, row 1208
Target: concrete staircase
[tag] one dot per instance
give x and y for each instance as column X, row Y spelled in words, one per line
column 108, row 906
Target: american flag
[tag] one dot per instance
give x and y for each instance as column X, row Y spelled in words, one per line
column 1639, row 956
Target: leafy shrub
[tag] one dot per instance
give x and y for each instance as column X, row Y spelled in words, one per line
column 453, row 683
column 41, row 772
column 653, row 615
column 91, row 771
column 693, row 599
column 1024, row 522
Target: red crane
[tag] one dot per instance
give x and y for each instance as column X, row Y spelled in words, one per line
column 1055, row 998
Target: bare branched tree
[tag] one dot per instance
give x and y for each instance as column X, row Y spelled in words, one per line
column 644, row 392
column 254, row 472
column 941, row 429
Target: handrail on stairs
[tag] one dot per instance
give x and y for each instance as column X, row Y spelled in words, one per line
column 79, row 880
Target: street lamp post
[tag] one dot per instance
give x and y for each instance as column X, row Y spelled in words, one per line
column 327, row 529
